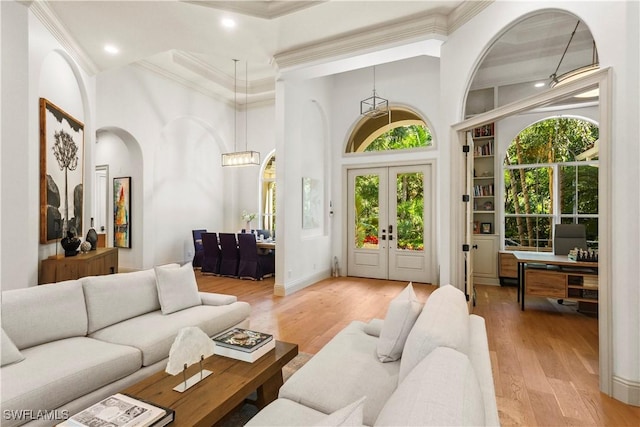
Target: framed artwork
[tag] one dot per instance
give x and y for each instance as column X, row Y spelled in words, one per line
column 310, row 203
column 61, row 172
column 485, row 228
column 122, row 212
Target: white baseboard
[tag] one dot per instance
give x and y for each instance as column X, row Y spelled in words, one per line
column 296, row 285
column 626, row 391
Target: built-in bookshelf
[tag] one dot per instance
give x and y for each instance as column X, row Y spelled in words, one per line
column 484, row 205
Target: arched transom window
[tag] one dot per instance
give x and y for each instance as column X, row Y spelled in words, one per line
column 402, row 129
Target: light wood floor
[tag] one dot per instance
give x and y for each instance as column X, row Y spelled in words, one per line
column 544, row 360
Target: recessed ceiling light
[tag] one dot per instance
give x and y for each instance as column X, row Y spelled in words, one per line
column 539, row 84
column 109, row 48
column 228, row 23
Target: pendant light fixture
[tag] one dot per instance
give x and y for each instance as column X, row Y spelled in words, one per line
column 247, row 157
column 574, row 74
column 374, row 106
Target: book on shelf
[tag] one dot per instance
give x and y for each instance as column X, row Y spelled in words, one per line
column 123, row 411
column 243, row 344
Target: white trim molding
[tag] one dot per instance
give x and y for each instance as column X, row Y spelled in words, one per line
column 626, row 391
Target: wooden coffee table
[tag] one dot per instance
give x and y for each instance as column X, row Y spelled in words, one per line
column 232, row 381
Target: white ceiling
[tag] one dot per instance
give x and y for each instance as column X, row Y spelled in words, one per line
column 185, row 41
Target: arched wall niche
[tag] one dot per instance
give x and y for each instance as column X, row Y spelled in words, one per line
column 118, row 149
column 62, row 83
column 187, row 191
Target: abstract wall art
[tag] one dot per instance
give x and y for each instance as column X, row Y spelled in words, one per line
column 122, row 212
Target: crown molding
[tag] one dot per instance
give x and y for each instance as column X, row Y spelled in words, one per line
column 264, row 98
column 197, row 66
column 259, row 9
column 463, row 13
column 54, row 25
column 394, row 32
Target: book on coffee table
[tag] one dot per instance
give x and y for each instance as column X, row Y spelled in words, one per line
column 123, row 411
column 243, row 344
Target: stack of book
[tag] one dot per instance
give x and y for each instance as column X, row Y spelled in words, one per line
column 243, row 344
column 124, row 411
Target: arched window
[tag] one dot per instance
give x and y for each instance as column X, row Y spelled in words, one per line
column 403, row 129
column 550, row 177
column 268, row 202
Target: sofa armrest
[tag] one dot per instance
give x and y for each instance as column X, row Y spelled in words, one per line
column 209, row 298
column 373, row 327
column 480, row 358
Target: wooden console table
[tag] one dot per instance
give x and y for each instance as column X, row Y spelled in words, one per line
column 93, row 263
column 556, row 276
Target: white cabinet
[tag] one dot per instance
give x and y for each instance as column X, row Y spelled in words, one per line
column 485, row 260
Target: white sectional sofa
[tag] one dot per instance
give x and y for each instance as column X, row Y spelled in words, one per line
column 442, row 378
column 67, row 345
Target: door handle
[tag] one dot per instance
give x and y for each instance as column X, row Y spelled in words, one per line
column 390, row 231
column 475, row 246
column 383, row 236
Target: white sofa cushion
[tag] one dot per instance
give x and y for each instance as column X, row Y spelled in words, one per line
column 58, row 372
column 177, row 288
column 349, row 416
column 401, row 315
column 61, row 313
column 444, row 321
column 285, row 413
column 10, row 353
column 346, row 369
column 442, row 390
column 480, row 358
column 116, row 297
column 153, row 333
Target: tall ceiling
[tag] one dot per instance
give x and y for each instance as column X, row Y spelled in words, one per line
column 185, row 40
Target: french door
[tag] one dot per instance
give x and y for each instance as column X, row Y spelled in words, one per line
column 390, row 232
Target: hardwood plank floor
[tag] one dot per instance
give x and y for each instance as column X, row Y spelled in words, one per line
column 544, row 360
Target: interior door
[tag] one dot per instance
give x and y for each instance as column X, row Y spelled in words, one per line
column 390, row 228
column 468, row 220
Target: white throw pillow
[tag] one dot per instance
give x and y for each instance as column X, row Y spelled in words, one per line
column 10, row 353
column 177, row 288
column 402, row 313
column 349, row 416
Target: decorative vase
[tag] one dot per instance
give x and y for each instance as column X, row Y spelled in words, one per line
column 70, row 244
column 92, row 237
column 248, row 227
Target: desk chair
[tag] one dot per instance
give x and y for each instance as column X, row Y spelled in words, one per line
column 567, row 237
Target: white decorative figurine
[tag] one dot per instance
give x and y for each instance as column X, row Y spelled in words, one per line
column 190, row 346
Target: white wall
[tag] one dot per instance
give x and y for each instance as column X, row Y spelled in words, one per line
column 618, row 49
column 35, row 66
column 179, row 185
column 412, row 83
column 303, row 256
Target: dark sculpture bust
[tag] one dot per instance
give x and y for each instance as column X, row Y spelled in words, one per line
column 70, row 244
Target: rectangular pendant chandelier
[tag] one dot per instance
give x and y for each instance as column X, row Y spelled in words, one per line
column 241, row 158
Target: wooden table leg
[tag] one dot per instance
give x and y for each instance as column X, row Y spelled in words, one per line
column 268, row 392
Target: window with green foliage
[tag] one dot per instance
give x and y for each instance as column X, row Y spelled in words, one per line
column 550, row 177
column 401, row 138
